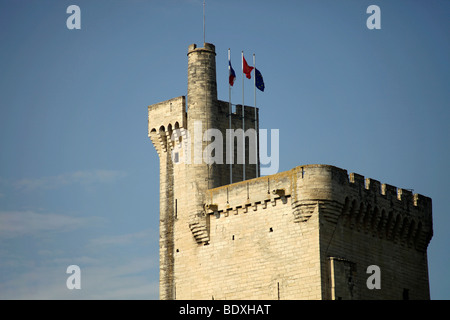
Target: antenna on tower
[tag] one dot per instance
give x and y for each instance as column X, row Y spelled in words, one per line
column 204, row 21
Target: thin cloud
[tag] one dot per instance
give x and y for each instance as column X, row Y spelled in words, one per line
column 112, row 278
column 78, row 177
column 23, row 223
column 118, row 279
column 124, row 239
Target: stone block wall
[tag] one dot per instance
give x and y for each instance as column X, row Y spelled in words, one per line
column 307, row 233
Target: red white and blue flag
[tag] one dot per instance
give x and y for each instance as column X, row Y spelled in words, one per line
column 232, row 75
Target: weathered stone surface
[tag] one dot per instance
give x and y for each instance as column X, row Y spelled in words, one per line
column 307, row 233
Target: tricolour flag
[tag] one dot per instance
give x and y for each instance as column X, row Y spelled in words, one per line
column 259, row 82
column 246, row 68
column 232, row 75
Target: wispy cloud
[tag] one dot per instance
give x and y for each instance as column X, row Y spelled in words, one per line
column 125, row 280
column 126, row 273
column 78, row 177
column 124, row 239
column 21, row 223
column 36, row 246
column 112, row 278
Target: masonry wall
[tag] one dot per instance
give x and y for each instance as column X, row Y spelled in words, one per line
column 177, row 130
column 307, row 233
column 257, row 249
column 403, row 271
column 372, row 224
column 251, row 122
column 164, row 118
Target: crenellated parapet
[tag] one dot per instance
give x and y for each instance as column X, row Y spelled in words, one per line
column 250, row 195
column 387, row 212
column 164, row 118
column 361, row 205
column 306, row 233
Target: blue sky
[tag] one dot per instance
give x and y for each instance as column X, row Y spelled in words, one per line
column 79, row 178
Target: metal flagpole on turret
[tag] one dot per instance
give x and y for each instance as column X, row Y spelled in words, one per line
column 243, row 121
column 256, row 120
column 229, row 117
column 204, row 21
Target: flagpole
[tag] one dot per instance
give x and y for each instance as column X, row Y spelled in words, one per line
column 229, row 116
column 243, row 120
column 204, row 21
column 256, row 121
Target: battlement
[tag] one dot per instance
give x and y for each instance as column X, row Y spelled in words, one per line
column 207, row 47
column 167, row 114
column 172, row 114
column 163, row 118
column 223, row 109
column 284, row 236
column 357, row 203
column 260, row 189
column 389, row 192
column 250, row 194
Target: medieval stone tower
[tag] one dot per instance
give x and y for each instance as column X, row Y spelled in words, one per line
column 313, row 232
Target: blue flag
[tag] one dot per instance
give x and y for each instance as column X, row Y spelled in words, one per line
column 259, row 82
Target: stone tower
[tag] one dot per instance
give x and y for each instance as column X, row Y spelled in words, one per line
column 180, row 138
column 312, row 232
